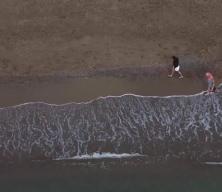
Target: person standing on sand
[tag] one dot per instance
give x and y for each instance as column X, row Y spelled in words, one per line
column 211, row 82
column 176, row 67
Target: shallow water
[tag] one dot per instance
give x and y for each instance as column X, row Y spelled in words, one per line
column 61, row 91
column 46, row 178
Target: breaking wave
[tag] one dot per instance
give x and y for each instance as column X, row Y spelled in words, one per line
column 103, row 156
column 183, row 127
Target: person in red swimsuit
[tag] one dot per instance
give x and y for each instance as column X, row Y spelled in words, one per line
column 211, row 82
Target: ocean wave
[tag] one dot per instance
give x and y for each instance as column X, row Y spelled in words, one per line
column 212, row 163
column 185, row 127
column 102, row 156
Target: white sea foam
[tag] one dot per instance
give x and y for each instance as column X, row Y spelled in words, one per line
column 102, row 156
column 212, row 163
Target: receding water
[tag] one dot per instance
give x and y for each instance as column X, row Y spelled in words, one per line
column 61, row 91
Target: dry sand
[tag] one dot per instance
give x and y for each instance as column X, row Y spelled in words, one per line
column 81, row 37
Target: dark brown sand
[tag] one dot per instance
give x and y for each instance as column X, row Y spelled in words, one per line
column 72, row 38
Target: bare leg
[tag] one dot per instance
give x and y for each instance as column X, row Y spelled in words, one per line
column 172, row 73
column 181, row 75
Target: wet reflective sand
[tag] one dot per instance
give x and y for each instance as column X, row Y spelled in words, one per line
column 61, row 91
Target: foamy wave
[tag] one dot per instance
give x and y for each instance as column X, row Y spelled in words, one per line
column 103, row 156
column 161, row 127
column 212, row 163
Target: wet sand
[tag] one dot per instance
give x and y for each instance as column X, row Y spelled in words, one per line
column 64, row 90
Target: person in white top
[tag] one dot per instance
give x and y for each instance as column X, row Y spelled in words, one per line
column 176, row 67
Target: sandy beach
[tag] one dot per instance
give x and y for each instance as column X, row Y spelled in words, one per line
column 81, row 38
column 86, row 103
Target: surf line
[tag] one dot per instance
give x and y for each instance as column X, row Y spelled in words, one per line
column 102, row 156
